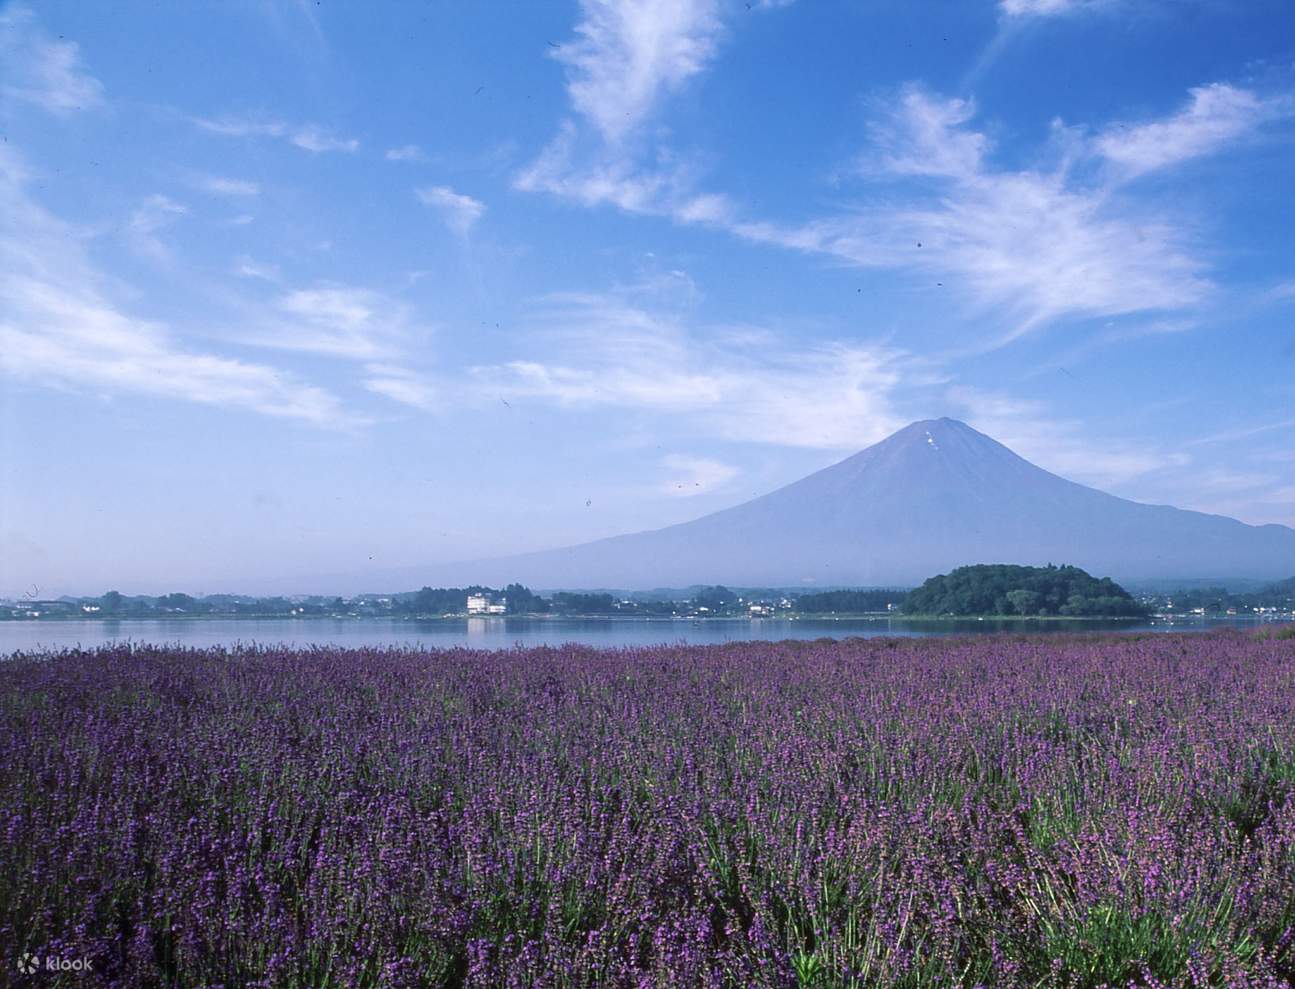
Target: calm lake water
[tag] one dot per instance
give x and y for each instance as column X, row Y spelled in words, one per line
column 501, row 633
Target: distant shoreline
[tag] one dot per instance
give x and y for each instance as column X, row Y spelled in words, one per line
column 540, row 617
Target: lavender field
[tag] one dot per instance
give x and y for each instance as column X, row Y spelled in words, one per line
column 997, row 811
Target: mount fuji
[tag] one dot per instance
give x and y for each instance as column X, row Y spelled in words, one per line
column 933, row 496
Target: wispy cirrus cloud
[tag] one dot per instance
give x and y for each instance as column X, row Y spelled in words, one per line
column 219, row 185
column 1029, row 245
column 1215, row 116
column 359, row 325
column 626, row 59
column 316, row 139
column 619, row 180
column 59, row 329
column 1016, row 17
column 42, row 71
column 1049, row 8
column 338, row 321
column 749, row 385
column 1280, row 292
column 1032, row 244
column 1242, row 432
column 156, row 213
column 459, row 212
column 401, row 384
column 630, row 52
column 308, row 137
column 245, row 266
column 406, row 152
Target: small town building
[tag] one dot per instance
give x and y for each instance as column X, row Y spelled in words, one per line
column 484, row 604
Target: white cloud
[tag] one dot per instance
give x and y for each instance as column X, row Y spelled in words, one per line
column 459, row 212
column 400, row 385
column 1214, row 117
column 690, row 476
column 155, row 214
column 56, row 338
column 1030, row 245
column 220, row 186
column 600, row 351
column 407, row 152
column 1034, row 245
column 337, row 321
column 42, row 71
column 628, row 56
column 618, row 180
column 927, row 136
column 312, row 138
column 247, row 267
column 308, row 137
column 1242, row 433
column 629, row 51
column 1047, row 8
column 57, row 328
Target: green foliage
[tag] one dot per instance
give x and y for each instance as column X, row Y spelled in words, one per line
column 570, row 603
column 996, row 589
column 441, row 600
column 714, row 598
column 522, row 601
column 181, row 602
column 807, row 966
column 1026, row 602
column 848, row 601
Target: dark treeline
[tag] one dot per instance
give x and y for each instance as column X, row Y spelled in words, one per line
column 117, row 605
column 850, row 601
column 426, row 602
column 976, row 590
column 449, row 600
column 1001, row 589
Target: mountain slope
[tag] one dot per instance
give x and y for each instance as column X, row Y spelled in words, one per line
column 933, row 496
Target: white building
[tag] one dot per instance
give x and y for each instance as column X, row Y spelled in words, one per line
column 482, row 604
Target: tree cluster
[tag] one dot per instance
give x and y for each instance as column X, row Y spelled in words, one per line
column 849, row 601
column 1002, row 589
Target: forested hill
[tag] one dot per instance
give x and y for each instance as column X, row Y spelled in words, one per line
column 1001, row 589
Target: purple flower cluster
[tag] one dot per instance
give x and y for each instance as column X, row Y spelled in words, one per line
column 1064, row 812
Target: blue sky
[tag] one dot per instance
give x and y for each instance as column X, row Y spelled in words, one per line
column 296, row 288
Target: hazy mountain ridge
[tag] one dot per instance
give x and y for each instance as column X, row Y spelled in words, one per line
column 934, row 496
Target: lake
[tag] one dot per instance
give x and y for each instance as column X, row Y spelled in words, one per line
column 501, row 633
